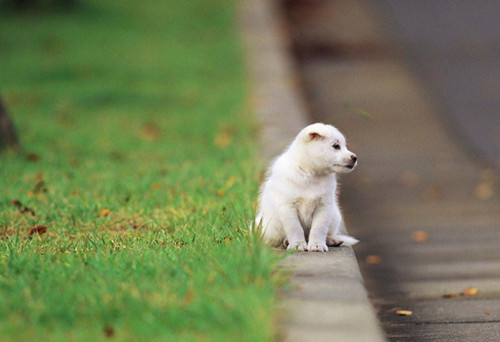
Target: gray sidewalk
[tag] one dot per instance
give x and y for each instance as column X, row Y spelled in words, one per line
column 418, row 201
column 328, row 301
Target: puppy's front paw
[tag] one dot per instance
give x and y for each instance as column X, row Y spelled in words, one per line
column 300, row 246
column 317, row 247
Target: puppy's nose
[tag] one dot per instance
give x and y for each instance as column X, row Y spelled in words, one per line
column 354, row 158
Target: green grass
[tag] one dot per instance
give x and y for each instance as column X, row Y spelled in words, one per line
column 139, row 158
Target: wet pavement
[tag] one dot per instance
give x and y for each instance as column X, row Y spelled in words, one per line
column 424, row 204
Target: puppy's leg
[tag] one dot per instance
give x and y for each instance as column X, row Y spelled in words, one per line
column 332, row 238
column 271, row 229
column 292, row 227
column 319, row 229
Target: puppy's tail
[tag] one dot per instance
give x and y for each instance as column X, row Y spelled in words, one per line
column 348, row 240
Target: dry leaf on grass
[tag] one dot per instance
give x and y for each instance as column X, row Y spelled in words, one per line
column 404, row 312
column 109, row 331
column 104, row 212
column 224, row 136
column 32, row 157
column 223, row 139
column 22, row 208
column 38, row 230
column 188, row 298
column 149, row 131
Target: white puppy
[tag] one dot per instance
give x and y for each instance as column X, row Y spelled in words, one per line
column 298, row 201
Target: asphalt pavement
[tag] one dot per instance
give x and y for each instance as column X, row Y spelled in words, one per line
column 454, row 46
column 424, row 204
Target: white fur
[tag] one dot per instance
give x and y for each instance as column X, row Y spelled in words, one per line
column 298, row 201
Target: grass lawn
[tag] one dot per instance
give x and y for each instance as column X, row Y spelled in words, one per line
column 125, row 214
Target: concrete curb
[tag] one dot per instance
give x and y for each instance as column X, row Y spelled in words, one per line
column 275, row 96
column 328, row 300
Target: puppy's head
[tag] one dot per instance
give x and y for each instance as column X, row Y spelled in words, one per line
column 324, row 149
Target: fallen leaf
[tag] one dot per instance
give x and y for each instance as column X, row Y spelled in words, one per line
column 420, row 236
column 188, row 298
column 104, row 212
column 450, row 295
column 38, row 230
column 223, row 139
column 32, row 157
column 40, row 187
column 188, row 270
column 150, row 131
column 156, row 186
column 22, row 208
column 109, row 331
column 433, row 192
column 404, row 312
column 470, row 292
column 484, row 190
column 373, row 260
column 16, row 203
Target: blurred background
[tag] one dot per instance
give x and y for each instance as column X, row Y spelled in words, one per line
column 455, row 47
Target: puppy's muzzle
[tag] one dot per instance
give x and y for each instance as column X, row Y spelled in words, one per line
column 354, row 160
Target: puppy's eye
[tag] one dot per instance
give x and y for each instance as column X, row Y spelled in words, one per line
column 336, row 146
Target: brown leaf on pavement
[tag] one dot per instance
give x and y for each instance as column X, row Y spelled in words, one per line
column 470, row 292
column 420, row 236
column 404, row 313
column 373, row 260
column 433, row 192
column 484, row 190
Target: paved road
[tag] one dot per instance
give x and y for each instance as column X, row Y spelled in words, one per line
column 455, row 47
column 426, row 210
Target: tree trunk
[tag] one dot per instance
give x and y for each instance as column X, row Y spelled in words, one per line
column 8, row 136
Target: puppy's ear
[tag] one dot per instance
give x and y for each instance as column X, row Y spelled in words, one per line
column 313, row 136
